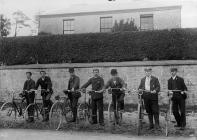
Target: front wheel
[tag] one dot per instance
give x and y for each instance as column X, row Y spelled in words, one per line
column 139, row 121
column 84, row 112
column 35, row 112
column 55, row 115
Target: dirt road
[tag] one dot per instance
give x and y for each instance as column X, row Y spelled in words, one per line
column 28, row 134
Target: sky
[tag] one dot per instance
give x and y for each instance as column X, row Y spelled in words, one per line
column 33, row 7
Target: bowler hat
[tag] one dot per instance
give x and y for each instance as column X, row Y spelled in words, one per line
column 114, row 71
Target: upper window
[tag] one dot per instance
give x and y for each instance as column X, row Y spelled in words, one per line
column 146, row 22
column 105, row 24
column 68, row 26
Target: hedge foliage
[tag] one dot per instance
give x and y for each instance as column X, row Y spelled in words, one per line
column 175, row 44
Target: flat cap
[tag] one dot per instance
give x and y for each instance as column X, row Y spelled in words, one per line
column 71, row 70
column 148, row 69
column 173, row 69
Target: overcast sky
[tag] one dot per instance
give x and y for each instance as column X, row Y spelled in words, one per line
column 32, row 7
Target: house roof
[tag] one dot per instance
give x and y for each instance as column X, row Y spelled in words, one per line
column 81, row 9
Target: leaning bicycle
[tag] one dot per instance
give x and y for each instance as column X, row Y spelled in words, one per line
column 15, row 108
column 115, row 116
column 37, row 107
column 60, row 111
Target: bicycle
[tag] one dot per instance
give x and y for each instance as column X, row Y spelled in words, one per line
column 115, row 116
column 85, row 110
column 38, row 110
column 12, row 108
column 59, row 110
column 140, row 110
column 169, row 111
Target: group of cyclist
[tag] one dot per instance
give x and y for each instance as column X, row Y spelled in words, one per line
column 149, row 85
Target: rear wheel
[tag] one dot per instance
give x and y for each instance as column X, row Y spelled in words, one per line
column 55, row 115
column 9, row 111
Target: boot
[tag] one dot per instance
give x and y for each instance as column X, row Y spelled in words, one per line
column 156, row 118
column 150, row 117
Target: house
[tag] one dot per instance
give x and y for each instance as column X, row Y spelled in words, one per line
column 101, row 18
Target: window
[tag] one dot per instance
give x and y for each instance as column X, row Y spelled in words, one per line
column 68, row 26
column 146, row 22
column 105, row 24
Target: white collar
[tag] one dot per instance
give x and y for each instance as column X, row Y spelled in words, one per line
column 148, row 77
column 174, row 77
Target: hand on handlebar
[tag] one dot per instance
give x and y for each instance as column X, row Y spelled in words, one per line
column 153, row 91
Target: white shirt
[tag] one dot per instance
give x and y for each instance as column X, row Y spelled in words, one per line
column 174, row 77
column 147, row 83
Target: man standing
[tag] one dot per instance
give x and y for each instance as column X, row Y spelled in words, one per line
column 97, row 83
column 177, row 88
column 46, row 92
column 29, row 94
column 150, row 86
column 73, row 95
column 118, row 86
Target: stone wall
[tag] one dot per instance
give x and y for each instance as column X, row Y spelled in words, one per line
column 13, row 77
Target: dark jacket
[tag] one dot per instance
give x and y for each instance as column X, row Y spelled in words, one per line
column 180, row 84
column 74, row 82
column 29, row 84
column 115, row 83
column 177, row 84
column 45, row 84
column 154, row 85
column 96, row 82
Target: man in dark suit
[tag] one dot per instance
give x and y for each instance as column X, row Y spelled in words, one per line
column 29, row 94
column 151, row 87
column 73, row 95
column 46, row 92
column 178, row 97
column 97, row 83
column 117, row 94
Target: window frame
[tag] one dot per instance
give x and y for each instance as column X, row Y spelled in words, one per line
column 106, row 28
column 71, row 30
column 146, row 16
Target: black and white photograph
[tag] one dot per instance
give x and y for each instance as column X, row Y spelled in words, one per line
column 98, row 69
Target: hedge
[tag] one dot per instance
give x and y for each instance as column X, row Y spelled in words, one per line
column 175, row 44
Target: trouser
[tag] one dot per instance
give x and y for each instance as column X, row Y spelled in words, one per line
column 97, row 104
column 178, row 103
column 152, row 108
column 118, row 102
column 73, row 104
column 47, row 103
column 30, row 99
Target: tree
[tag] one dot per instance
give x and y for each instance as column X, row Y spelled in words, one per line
column 122, row 26
column 20, row 20
column 5, row 26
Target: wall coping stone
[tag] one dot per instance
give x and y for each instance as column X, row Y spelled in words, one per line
column 102, row 64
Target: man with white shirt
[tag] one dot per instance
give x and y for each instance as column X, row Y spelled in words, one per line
column 177, row 88
column 151, row 87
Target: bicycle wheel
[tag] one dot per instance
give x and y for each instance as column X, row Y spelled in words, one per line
column 83, row 113
column 35, row 109
column 9, row 111
column 139, row 121
column 67, row 111
column 110, row 113
column 55, row 115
